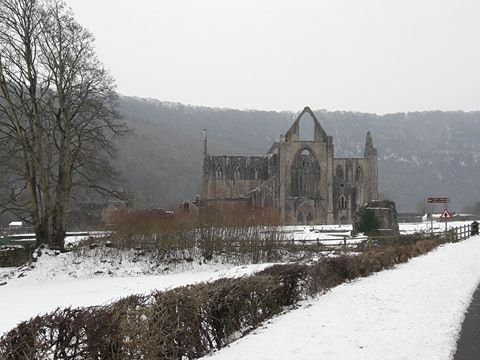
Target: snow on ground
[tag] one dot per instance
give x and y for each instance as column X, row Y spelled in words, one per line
column 324, row 234
column 72, row 238
column 101, row 261
column 45, row 289
column 438, row 227
column 329, row 233
column 413, row 311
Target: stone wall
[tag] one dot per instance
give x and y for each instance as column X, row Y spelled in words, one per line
column 235, row 176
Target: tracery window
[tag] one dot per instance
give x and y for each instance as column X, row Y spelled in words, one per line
column 305, row 175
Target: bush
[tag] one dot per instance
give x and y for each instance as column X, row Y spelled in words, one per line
column 291, row 281
column 368, row 222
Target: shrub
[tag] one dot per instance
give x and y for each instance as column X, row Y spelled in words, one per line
column 368, row 222
column 291, row 281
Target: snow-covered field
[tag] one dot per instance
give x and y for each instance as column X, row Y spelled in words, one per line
column 334, row 234
column 410, row 228
column 71, row 239
column 60, row 281
column 413, row 311
column 323, row 234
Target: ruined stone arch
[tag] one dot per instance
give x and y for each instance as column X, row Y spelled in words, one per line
column 293, row 134
column 305, row 173
column 306, row 128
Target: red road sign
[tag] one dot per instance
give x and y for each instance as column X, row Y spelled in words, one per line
column 438, row 200
column 446, row 215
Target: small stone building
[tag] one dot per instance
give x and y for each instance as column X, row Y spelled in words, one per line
column 300, row 177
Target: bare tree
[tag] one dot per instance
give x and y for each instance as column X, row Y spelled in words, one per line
column 57, row 113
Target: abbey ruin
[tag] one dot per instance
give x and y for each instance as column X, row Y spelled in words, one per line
column 301, row 178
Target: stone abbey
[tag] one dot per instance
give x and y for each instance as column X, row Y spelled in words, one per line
column 301, row 178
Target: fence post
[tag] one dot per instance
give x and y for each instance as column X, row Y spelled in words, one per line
column 344, row 244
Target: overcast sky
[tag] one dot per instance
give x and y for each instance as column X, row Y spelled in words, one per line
column 363, row 55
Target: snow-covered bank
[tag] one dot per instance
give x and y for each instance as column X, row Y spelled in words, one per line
column 414, row 311
column 23, row 298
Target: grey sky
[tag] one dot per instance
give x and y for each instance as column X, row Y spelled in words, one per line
column 363, row 55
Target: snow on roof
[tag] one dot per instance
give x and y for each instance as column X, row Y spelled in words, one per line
column 15, row 223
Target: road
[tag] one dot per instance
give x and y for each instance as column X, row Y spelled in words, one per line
column 468, row 346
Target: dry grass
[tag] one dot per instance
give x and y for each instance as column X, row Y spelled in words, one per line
column 236, row 234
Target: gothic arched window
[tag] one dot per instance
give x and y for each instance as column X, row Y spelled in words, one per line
column 342, row 203
column 358, row 174
column 218, row 172
column 305, row 175
column 236, row 172
column 256, row 173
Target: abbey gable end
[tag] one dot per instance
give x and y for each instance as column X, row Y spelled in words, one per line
column 301, row 178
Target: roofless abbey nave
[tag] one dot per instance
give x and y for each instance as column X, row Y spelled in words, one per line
column 300, row 177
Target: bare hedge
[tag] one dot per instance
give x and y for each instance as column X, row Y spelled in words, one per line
column 189, row 322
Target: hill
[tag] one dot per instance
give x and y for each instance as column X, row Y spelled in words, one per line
column 420, row 153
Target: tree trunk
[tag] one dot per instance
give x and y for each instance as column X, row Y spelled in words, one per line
column 58, row 236
column 41, row 233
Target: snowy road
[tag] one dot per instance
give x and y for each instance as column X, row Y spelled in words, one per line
column 414, row 311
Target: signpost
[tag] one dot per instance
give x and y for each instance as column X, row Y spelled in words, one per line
column 445, row 215
column 438, row 200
